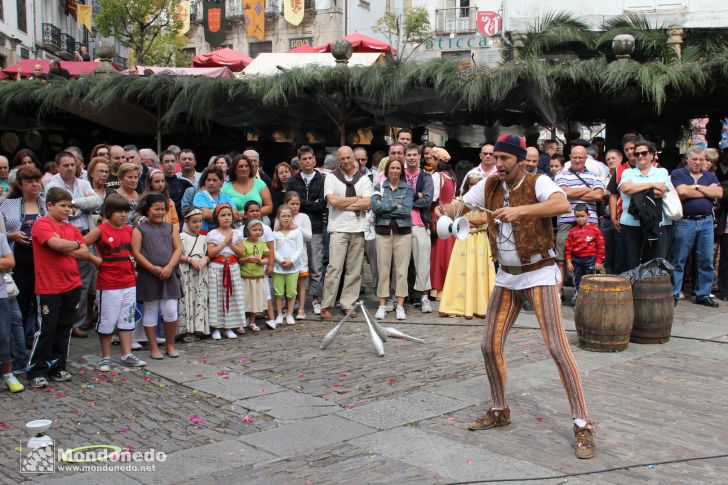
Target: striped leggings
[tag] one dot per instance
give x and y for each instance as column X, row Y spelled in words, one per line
column 503, row 309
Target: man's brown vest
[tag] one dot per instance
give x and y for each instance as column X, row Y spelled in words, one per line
column 534, row 235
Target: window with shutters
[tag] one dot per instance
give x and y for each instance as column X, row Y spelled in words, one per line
column 22, row 18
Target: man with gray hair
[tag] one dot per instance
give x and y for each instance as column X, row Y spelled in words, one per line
column 149, row 158
column 693, row 234
column 331, row 163
column 348, row 195
column 255, row 169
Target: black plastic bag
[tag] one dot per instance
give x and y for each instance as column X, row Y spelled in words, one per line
column 650, row 269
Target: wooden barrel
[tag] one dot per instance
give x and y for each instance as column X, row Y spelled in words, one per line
column 604, row 313
column 653, row 310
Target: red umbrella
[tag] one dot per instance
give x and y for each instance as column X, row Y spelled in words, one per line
column 234, row 60
column 74, row 68
column 361, row 43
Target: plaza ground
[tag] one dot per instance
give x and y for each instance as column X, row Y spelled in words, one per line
column 273, row 408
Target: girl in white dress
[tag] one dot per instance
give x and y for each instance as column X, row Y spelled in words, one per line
column 193, row 263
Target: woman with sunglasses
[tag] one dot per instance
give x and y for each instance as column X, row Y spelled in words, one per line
column 644, row 241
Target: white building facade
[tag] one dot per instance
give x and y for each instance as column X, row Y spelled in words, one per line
column 456, row 21
column 17, row 25
column 41, row 29
column 324, row 21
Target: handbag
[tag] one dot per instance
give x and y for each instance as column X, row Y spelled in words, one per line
column 671, row 205
column 11, row 286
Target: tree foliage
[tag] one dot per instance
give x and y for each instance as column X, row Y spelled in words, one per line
column 167, row 50
column 407, row 34
column 140, row 25
column 553, row 30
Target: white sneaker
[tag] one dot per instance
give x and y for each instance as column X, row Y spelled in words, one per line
column 161, row 340
column 271, row 323
column 230, row 334
column 426, row 306
column 215, row 335
column 389, row 306
column 135, row 345
column 301, row 315
column 381, row 313
column 279, row 320
column 290, row 320
column 105, row 364
column 316, row 308
column 400, row 313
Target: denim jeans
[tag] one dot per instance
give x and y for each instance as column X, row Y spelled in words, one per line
column 583, row 265
column 5, row 332
column 693, row 235
column 17, row 329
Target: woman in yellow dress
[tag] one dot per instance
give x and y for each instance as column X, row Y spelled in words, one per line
column 471, row 274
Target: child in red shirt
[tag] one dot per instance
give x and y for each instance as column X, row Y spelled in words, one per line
column 116, row 281
column 57, row 245
column 584, row 247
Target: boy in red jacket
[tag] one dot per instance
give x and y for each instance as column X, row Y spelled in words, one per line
column 584, row 247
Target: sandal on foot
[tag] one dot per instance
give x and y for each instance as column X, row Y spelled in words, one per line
column 173, row 354
column 240, row 331
column 61, row 376
column 586, row 448
column 254, row 328
column 494, row 418
column 156, row 356
column 189, row 338
column 39, row 382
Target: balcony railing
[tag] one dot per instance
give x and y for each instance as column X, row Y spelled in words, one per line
column 234, row 10
column 459, row 20
column 68, row 45
column 51, row 37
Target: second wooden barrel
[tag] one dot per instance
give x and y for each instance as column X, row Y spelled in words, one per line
column 653, row 310
column 604, row 313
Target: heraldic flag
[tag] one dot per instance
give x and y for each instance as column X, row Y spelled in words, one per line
column 215, row 25
column 183, row 12
column 83, row 16
column 293, row 11
column 254, row 14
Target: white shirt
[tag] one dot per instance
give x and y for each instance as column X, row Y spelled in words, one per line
column 345, row 220
column 596, row 167
column 215, row 237
column 85, row 199
column 196, row 183
column 308, row 176
column 506, row 246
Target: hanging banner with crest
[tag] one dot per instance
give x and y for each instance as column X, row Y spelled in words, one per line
column 215, row 25
column 293, row 11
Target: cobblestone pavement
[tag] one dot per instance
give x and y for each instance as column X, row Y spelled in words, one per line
column 273, row 408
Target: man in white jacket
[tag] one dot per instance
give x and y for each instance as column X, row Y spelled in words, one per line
column 84, row 201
